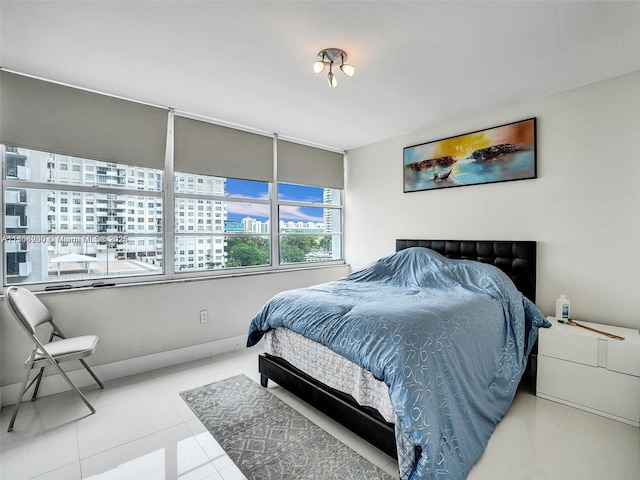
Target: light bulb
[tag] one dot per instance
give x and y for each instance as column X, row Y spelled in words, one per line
column 347, row 69
column 332, row 80
column 318, row 67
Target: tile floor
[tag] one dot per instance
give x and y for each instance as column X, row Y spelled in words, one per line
column 144, row 430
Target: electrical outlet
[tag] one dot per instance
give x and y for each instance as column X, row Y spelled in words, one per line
column 204, row 316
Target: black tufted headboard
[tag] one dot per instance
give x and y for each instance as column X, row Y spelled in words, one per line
column 516, row 258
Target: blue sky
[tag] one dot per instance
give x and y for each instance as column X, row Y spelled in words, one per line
column 248, row 189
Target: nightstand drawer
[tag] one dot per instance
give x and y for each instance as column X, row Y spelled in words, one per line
column 598, row 390
column 624, row 357
column 567, row 343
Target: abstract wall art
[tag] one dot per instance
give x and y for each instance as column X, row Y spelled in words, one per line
column 498, row 154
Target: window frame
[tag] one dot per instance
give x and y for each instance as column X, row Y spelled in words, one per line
column 223, row 233
column 168, row 197
column 303, row 204
column 70, row 189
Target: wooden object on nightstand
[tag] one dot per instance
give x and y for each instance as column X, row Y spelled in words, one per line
column 587, row 370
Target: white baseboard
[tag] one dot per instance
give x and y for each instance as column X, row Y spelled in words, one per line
column 52, row 384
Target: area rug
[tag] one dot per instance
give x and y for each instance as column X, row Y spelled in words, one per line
column 269, row 440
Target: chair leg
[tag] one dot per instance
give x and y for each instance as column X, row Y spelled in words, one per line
column 92, row 374
column 39, row 379
column 23, row 389
column 72, row 385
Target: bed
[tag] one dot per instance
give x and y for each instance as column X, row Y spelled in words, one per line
column 462, row 422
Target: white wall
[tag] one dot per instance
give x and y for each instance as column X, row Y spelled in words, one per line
column 583, row 209
column 142, row 320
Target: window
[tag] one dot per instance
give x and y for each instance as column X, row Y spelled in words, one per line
column 243, row 227
column 309, row 223
column 40, row 245
column 115, row 243
column 240, row 200
column 309, row 204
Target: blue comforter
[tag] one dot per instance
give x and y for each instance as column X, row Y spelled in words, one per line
column 449, row 337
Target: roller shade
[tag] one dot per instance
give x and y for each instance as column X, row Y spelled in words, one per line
column 305, row 165
column 46, row 116
column 209, row 149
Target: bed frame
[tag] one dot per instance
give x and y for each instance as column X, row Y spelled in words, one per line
column 516, row 258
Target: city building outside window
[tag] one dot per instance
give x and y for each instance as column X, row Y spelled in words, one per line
column 40, row 246
column 111, row 241
column 232, row 199
column 309, row 224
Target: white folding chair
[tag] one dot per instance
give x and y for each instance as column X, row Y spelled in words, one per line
column 31, row 313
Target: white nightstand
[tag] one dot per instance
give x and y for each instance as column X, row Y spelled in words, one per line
column 589, row 371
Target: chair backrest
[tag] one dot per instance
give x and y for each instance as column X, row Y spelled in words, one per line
column 26, row 307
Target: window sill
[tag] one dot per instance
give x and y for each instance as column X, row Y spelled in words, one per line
column 188, row 279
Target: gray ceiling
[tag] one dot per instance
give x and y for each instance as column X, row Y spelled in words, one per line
column 417, row 63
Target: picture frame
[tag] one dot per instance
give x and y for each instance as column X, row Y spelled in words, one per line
column 497, row 154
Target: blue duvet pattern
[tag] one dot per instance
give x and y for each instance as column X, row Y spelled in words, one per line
column 449, row 337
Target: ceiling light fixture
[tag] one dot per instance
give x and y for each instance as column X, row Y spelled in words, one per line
column 329, row 56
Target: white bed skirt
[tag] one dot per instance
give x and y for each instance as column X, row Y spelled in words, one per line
column 328, row 367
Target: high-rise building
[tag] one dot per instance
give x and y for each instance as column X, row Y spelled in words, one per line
column 17, row 263
column 199, row 215
column 65, row 217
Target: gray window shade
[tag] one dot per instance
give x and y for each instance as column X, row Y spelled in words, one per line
column 54, row 118
column 305, row 165
column 208, row 149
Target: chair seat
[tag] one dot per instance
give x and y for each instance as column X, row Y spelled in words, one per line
column 69, row 349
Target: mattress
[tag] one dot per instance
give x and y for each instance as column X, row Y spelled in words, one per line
column 333, row 370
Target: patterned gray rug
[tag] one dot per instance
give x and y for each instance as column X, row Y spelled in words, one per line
column 269, row 440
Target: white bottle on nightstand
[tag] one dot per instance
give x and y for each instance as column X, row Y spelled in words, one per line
column 563, row 308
